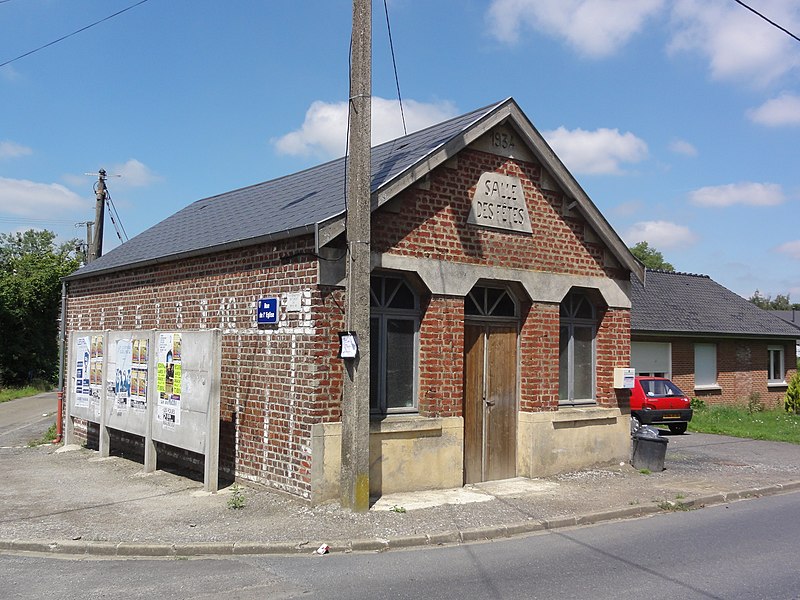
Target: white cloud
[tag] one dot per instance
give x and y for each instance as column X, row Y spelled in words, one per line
column 791, row 249
column 683, row 147
column 10, row 149
column 134, row 174
column 324, row 131
column 8, row 73
column 30, row 199
column 738, row 44
column 747, row 193
column 596, row 152
column 628, row 209
column 595, row 28
column 660, row 234
column 783, row 110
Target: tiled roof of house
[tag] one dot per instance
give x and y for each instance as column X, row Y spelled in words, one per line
column 696, row 304
column 790, row 316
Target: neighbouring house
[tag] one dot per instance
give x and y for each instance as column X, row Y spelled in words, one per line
column 711, row 342
column 500, row 309
column 793, row 317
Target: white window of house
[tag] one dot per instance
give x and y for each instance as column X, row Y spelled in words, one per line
column 705, row 365
column 394, row 328
column 576, row 364
column 775, row 372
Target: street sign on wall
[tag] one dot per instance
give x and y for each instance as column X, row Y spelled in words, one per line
column 267, row 311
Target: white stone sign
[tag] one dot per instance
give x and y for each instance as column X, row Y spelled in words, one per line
column 499, row 202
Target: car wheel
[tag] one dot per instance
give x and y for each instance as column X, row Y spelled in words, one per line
column 678, row 428
column 635, row 424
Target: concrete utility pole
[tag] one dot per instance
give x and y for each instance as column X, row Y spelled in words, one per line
column 96, row 249
column 355, row 402
column 87, row 249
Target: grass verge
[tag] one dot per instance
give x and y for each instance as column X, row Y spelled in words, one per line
column 7, row 394
column 772, row 425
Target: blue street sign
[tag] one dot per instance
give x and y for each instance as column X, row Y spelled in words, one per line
column 267, row 311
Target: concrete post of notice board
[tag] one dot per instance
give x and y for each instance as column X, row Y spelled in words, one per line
column 150, row 455
column 211, row 474
column 105, row 437
column 69, row 384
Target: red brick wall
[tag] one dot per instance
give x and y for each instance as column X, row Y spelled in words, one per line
column 613, row 349
column 539, row 346
column 441, row 357
column 430, row 224
column 741, row 370
column 276, row 383
column 539, row 358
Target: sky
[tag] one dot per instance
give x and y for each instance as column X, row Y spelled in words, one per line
column 679, row 118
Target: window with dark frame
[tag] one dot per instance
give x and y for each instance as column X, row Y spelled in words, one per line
column 576, row 365
column 394, row 324
column 775, row 368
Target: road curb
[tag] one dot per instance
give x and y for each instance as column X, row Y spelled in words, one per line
column 478, row 534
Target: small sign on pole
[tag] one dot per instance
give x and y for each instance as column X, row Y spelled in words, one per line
column 267, row 311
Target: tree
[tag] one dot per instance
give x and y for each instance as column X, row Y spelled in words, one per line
column 652, row 258
column 781, row 302
column 31, row 268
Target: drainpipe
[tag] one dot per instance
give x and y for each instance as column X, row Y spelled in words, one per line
column 61, row 338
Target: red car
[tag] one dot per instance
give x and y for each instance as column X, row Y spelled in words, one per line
column 658, row 401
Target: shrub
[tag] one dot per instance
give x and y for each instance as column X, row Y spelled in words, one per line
column 697, row 404
column 792, row 400
column 754, row 403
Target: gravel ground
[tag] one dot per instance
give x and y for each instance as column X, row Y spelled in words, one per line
column 75, row 495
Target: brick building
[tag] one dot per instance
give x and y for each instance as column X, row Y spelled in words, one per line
column 711, row 342
column 500, row 308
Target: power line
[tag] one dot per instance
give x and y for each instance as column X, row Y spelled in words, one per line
column 112, row 212
column 22, row 220
column 394, row 64
column 755, row 12
column 62, row 38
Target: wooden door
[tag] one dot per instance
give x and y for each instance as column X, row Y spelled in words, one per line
column 490, row 402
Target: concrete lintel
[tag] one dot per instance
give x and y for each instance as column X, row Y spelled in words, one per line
column 457, row 279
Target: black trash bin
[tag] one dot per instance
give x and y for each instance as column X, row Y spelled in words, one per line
column 649, row 451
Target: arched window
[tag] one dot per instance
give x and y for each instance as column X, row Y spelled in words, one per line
column 490, row 302
column 576, row 366
column 394, row 325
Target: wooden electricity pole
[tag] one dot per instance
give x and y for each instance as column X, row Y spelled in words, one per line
column 96, row 247
column 355, row 401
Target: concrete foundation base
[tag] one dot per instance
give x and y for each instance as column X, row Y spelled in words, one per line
column 412, row 453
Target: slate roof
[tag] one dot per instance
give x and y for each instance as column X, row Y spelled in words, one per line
column 696, row 304
column 303, row 202
column 283, row 207
column 790, row 316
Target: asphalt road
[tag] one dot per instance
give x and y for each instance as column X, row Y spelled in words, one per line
column 744, row 550
column 26, row 419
